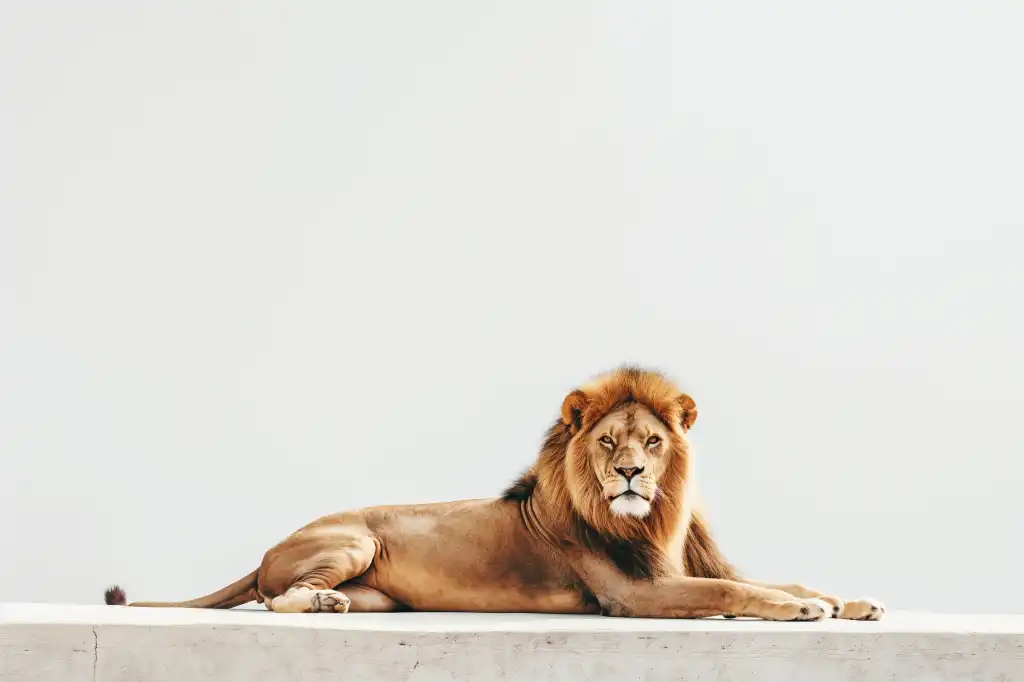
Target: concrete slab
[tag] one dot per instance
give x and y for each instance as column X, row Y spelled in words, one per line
column 49, row 642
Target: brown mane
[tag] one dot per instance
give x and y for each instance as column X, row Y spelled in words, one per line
column 672, row 537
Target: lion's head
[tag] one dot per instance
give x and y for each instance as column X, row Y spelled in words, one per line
column 618, row 457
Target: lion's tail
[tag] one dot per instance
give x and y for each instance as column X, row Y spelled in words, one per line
column 239, row 592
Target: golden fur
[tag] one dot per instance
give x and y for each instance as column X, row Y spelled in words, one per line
column 602, row 522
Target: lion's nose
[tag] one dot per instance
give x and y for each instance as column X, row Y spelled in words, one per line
column 630, row 472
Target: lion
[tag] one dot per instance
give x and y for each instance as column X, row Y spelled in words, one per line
column 602, row 523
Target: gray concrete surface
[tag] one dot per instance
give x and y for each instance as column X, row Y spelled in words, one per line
column 49, row 642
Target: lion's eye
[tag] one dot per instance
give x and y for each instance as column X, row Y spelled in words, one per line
column 653, row 440
column 605, row 440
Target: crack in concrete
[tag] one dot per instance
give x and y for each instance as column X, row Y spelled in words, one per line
column 95, row 651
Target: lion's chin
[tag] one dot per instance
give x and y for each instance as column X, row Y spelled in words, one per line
column 630, row 504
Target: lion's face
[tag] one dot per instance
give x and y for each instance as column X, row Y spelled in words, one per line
column 621, row 445
column 628, row 450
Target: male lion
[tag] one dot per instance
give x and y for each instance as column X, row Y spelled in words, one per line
column 601, row 523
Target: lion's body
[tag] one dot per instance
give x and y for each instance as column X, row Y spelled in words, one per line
column 603, row 522
column 474, row 555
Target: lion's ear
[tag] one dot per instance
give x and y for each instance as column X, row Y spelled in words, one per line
column 689, row 411
column 572, row 408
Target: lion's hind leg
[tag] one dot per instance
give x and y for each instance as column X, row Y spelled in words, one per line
column 366, row 599
column 300, row 574
column 305, row 599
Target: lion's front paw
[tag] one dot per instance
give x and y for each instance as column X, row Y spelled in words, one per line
column 863, row 609
column 328, row 600
column 802, row 609
column 836, row 603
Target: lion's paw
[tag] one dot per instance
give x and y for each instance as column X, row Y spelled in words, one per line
column 836, row 603
column 863, row 609
column 328, row 600
column 802, row 609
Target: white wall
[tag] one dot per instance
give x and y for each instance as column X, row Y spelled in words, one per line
column 262, row 261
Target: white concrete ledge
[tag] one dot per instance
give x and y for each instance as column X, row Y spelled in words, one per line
column 43, row 642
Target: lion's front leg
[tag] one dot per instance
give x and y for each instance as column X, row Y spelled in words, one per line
column 687, row 597
column 863, row 609
column 858, row 609
column 706, row 597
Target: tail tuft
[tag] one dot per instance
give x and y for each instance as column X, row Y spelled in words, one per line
column 114, row 596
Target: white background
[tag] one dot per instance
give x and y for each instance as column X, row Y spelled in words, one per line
column 262, row 261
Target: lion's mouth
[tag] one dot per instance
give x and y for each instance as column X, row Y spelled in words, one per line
column 630, row 503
